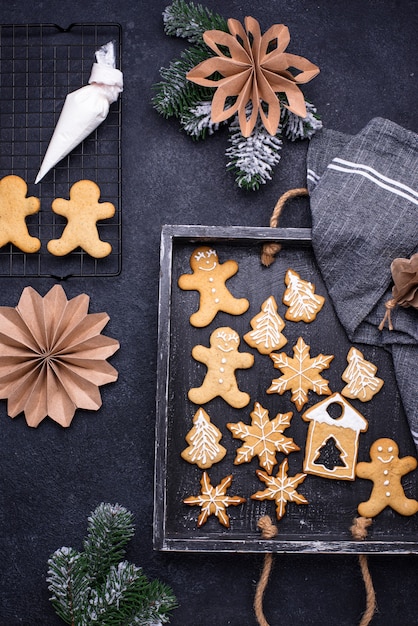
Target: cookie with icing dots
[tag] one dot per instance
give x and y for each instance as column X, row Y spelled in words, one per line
column 208, row 278
column 385, row 470
column 222, row 358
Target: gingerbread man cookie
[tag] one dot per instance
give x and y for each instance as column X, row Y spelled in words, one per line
column 221, row 359
column 386, row 470
column 208, row 278
column 14, row 208
column 82, row 211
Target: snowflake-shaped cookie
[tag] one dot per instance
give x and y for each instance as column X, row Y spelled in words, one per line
column 263, row 438
column 300, row 374
column 281, row 489
column 213, row 500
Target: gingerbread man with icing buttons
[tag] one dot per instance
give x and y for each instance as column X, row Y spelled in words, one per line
column 221, row 359
column 386, row 470
column 208, row 278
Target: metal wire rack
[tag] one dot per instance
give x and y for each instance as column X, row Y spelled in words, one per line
column 39, row 65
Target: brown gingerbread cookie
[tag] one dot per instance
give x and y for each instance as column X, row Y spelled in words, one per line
column 214, row 500
column 83, row 210
column 204, row 448
column 267, row 326
column 221, row 359
column 208, row 278
column 14, row 208
column 386, row 470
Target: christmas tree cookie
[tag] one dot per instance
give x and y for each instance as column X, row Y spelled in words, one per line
column 304, row 304
column 204, row 448
column 362, row 384
column 267, row 326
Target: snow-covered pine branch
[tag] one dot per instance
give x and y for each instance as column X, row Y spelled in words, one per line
column 295, row 127
column 252, row 158
column 197, row 121
column 190, row 21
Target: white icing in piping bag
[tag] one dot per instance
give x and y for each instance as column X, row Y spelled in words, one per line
column 85, row 109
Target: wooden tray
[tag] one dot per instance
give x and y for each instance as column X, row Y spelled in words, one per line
column 323, row 525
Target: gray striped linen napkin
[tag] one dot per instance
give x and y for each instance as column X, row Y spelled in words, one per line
column 364, row 201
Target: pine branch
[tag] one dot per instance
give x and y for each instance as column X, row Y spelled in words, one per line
column 295, row 127
column 175, row 94
column 109, row 530
column 197, row 121
column 252, row 158
column 69, row 584
column 190, row 21
column 92, row 587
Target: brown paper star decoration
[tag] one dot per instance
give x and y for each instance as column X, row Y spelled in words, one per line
column 52, row 356
column 255, row 69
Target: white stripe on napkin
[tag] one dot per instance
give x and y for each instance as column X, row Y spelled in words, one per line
column 392, row 185
column 312, row 176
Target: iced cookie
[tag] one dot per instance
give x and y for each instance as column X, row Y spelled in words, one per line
column 82, row 211
column 264, row 438
column 300, row 373
column 214, row 500
column 267, row 326
column 333, row 438
column 14, row 208
column 304, row 304
column 208, row 278
column 385, row 470
column 362, row 383
column 203, row 438
column 221, row 359
column 280, row 488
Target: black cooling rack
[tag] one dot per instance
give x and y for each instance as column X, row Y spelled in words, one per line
column 39, row 65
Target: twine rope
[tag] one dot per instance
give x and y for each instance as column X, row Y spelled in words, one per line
column 268, row 531
column 359, row 532
column 271, row 249
column 390, row 304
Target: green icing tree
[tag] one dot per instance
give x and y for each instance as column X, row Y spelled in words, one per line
column 95, row 586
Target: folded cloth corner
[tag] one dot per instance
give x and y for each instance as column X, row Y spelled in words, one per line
column 364, row 201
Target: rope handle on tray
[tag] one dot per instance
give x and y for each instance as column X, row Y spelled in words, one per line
column 271, row 249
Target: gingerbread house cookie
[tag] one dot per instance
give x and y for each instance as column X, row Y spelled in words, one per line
column 332, row 438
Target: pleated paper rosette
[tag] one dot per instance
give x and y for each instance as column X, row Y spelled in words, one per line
column 53, row 356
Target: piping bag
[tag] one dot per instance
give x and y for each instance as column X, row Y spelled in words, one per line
column 84, row 109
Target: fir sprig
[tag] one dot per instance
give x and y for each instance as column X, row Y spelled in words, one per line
column 296, row 127
column 190, row 21
column 252, row 158
column 175, row 95
column 96, row 587
column 197, row 121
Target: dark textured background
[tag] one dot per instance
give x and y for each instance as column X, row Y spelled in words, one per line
column 51, row 478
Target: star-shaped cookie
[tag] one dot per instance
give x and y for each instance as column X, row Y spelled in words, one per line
column 281, row 489
column 213, row 500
